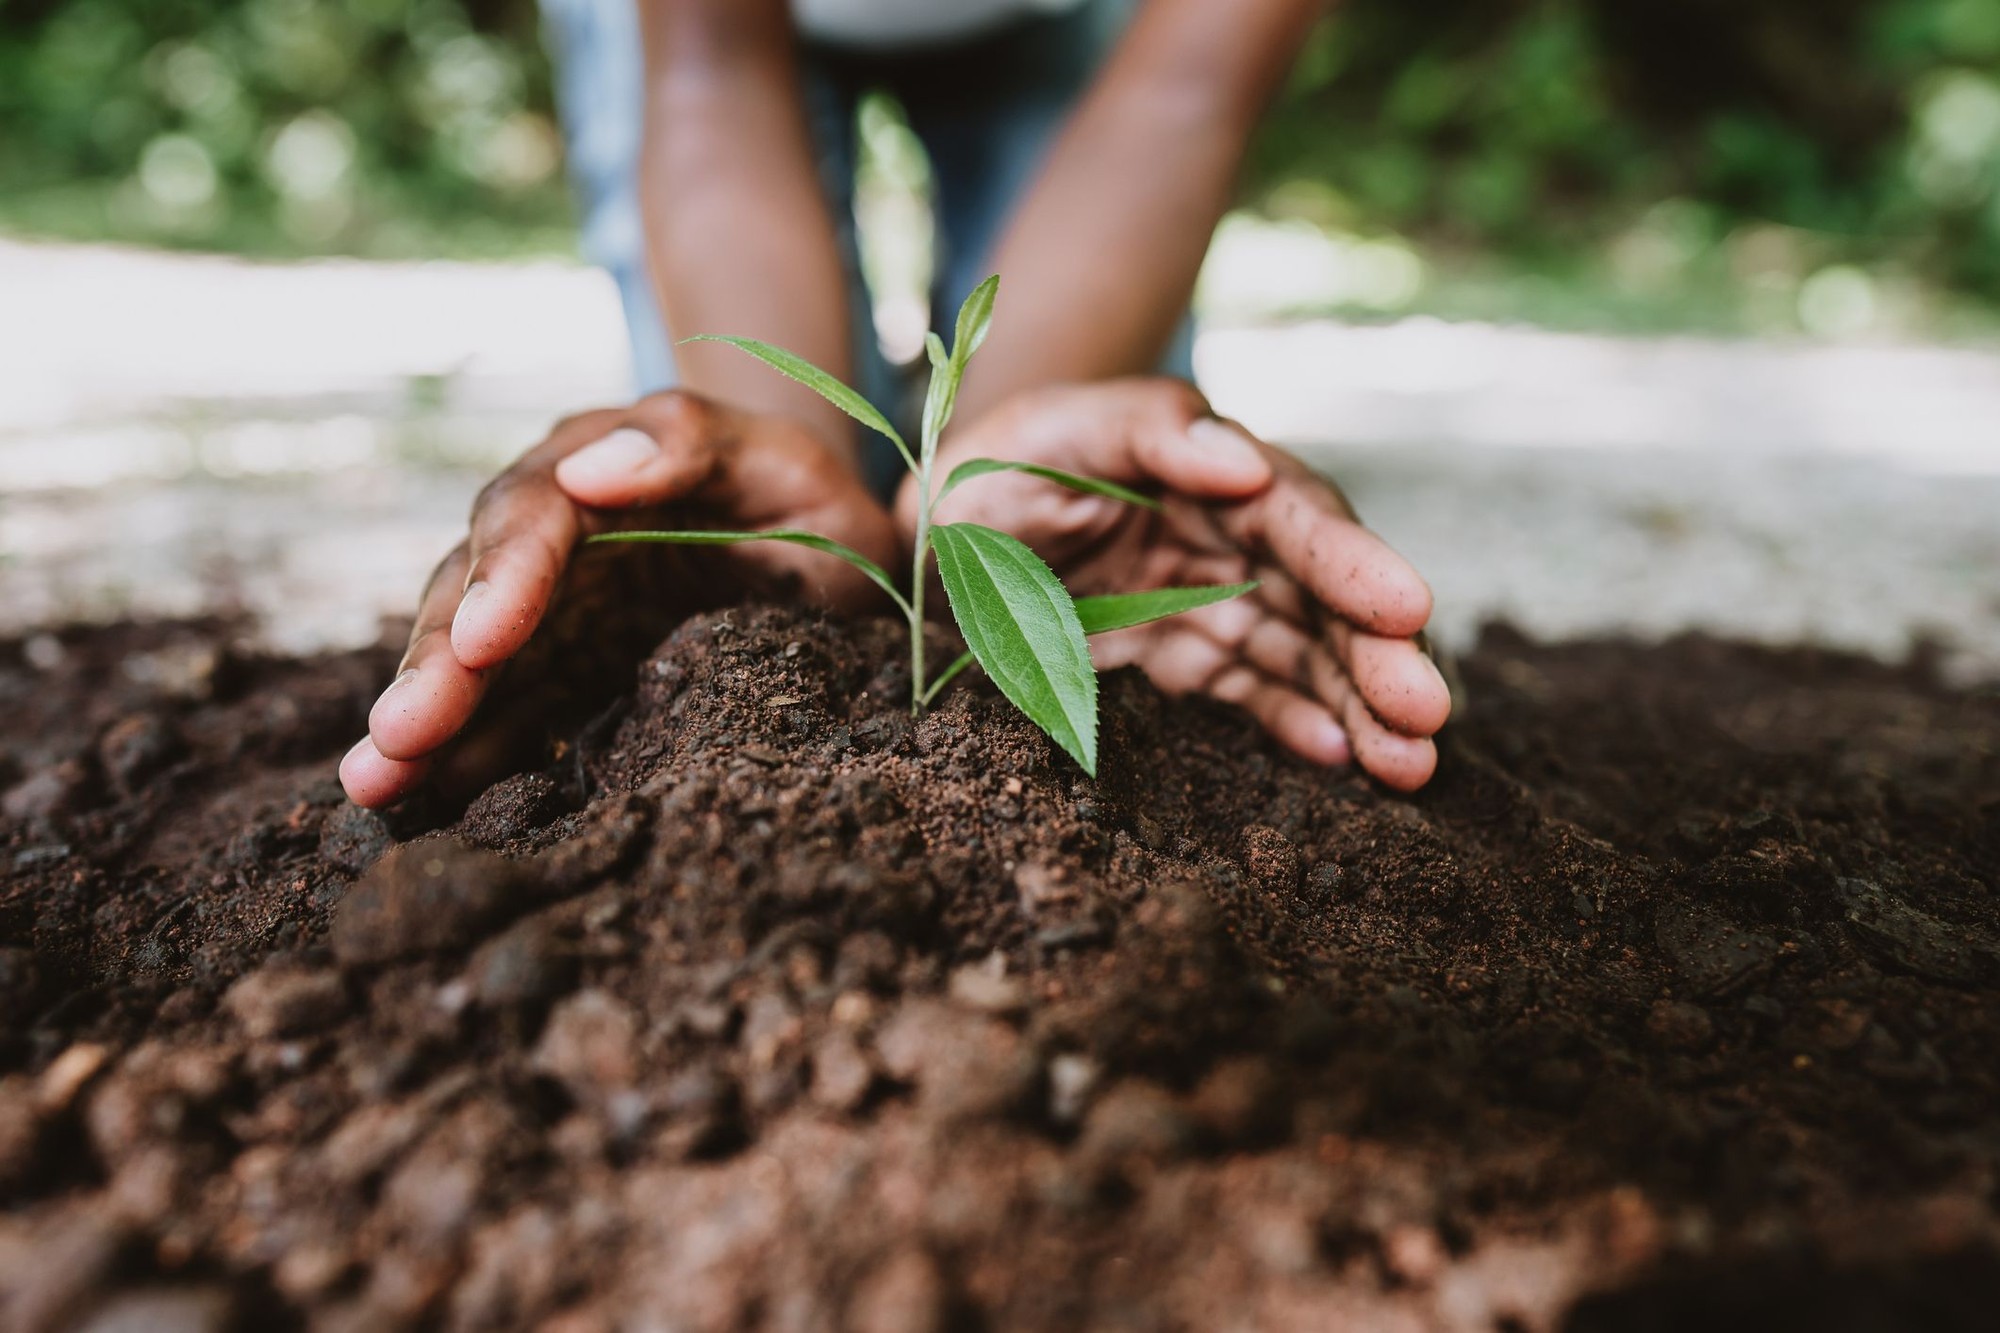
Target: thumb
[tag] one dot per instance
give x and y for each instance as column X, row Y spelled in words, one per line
column 1208, row 458
column 663, row 450
column 1162, row 431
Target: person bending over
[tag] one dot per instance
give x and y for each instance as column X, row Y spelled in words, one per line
column 1082, row 151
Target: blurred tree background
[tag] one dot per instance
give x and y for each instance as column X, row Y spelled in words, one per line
column 283, row 127
column 1755, row 165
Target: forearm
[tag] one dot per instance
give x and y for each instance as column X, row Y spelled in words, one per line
column 1100, row 259
column 738, row 234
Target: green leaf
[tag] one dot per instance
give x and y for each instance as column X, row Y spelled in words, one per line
column 796, row 536
column 934, row 348
column 821, row 383
column 979, row 467
column 939, row 399
column 1122, row 610
column 975, row 318
column 1022, row 627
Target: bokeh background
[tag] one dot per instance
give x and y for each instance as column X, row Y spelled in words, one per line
column 1629, row 315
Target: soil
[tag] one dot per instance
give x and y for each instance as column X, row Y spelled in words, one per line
column 1675, row 997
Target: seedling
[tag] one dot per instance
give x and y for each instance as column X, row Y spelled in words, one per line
column 1020, row 624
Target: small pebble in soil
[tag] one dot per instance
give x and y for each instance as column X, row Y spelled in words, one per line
column 352, row 839
column 1133, row 1121
column 1895, row 933
column 867, row 959
column 1325, row 882
column 512, row 808
column 1764, row 1009
column 72, row 1262
column 281, row 999
column 1073, row 1079
column 1271, row 859
column 67, row 1075
column 964, row 1066
column 1680, row 1026
column 20, row 988
column 904, row 1294
column 841, row 1074
column 590, row 1046
column 985, row 986
column 1042, row 888
column 525, row 965
column 135, row 747
column 57, row 788
column 1240, row 1101
column 426, row 897
column 20, row 1132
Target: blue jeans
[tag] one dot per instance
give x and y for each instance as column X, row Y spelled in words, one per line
column 986, row 110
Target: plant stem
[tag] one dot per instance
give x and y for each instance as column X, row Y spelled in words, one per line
column 945, row 677
column 917, row 582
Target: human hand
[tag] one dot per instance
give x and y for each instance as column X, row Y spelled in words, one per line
column 515, row 574
column 1324, row 654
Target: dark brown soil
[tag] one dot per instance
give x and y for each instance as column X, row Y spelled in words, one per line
column 1675, row 1000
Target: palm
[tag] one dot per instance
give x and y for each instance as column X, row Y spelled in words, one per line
column 1322, row 653
column 520, row 610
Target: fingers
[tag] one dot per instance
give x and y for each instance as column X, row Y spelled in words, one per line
column 434, row 693
column 527, row 522
column 664, row 448
column 1399, row 682
column 1132, row 431
column 1181, row 659
column 1307, row 528
column 1300, row 724
column 1397, row 760
column 1383, row 696
column 1385, row 693
column 485, row 601
column 373, row 782
column 1204, row 458
column 1400, row 685
column 1162, row 431
column 523, row 530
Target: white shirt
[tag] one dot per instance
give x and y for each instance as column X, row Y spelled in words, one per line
column 886, row 24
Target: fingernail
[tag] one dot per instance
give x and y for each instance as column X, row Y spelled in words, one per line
column 1223, row 443
column 404, row 678
column 1330, row 743
column 612, row 460
column 465, row 620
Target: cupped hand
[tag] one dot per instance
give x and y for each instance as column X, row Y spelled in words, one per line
column 517, row 593
column 1325, row 654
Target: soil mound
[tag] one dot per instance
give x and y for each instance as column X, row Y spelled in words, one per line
column 1672, row 999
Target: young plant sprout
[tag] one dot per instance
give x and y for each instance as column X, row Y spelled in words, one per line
column 1019, row 623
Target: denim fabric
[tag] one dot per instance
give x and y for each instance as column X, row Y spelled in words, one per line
column 986, row 111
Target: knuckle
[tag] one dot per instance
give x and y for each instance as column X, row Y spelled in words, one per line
column 674, row 409
column 495, row 492
column 445, row 568
column 1176, row 396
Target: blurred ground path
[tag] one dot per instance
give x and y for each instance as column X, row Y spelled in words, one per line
column 301, row 441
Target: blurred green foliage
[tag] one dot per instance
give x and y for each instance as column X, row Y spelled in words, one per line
column 385, row 127
column 1705, row 160
column 1682, row 160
